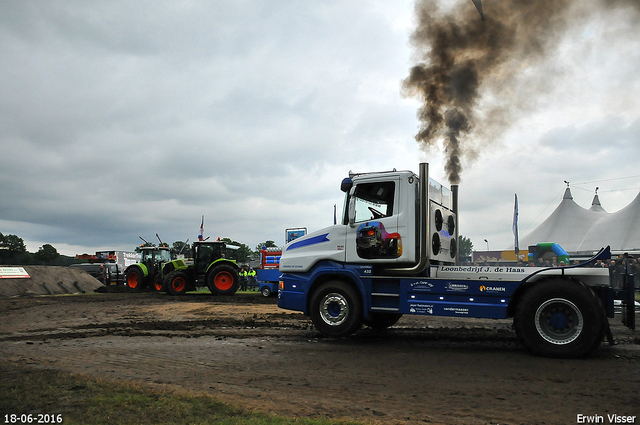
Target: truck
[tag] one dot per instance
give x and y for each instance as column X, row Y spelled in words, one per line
column 148, row 272
column 208, row 267
column 556, row 311
column 110, row 274
column 107, row 266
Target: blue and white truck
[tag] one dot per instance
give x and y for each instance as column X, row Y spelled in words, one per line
column 341, row 282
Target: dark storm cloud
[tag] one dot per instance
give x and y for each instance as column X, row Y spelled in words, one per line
column 125, row 119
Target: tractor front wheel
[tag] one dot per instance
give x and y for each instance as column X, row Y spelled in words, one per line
column 223, row 280
column 177, row 282
column 158, row 283
column 134, row 278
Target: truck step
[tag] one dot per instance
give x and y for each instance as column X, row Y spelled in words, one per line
column 384, row 309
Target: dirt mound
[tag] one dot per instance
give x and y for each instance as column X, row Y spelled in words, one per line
column 49, row 280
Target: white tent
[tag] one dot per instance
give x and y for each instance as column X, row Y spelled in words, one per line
column 584, row 231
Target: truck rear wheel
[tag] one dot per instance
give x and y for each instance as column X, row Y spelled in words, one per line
column 336, row 309
column 223, row 280
column 560, row 318
column 177, row 282
column 379, row 320
column 134, row 278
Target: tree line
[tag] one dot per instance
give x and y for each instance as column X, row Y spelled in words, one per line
column 13, row 251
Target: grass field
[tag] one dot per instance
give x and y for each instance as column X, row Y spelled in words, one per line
column 47, row 396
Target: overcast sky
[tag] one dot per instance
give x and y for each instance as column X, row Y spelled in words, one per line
column 127, row 119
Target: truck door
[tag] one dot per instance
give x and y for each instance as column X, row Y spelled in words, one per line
column 372, row 231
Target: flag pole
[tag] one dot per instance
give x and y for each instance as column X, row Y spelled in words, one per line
column 515, row 224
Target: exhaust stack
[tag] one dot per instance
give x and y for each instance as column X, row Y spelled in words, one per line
column 454, row 207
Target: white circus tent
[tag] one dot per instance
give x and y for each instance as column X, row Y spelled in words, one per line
column 582, row 231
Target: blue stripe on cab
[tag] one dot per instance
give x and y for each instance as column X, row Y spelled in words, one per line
column 311, row 241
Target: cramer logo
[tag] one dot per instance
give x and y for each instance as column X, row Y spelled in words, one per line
column 492, row 289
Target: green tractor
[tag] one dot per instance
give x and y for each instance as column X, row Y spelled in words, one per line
column 148, row 271
column 207, row 268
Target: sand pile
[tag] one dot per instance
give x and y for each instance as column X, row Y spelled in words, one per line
column 50, row 280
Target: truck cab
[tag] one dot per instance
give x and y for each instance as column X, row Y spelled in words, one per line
column 395, row 252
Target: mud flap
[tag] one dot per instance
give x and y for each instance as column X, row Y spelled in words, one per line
column 629, row 302
column 608, row 334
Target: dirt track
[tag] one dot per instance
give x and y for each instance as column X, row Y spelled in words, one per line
column 246, row 351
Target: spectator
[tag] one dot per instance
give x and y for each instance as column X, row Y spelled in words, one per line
column 614, row 272
column 243, row 279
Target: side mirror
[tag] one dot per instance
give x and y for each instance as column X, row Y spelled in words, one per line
column 346, row 185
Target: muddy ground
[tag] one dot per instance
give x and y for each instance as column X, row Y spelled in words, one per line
column 246, row 351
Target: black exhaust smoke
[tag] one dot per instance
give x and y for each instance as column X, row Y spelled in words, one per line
column 464, row 60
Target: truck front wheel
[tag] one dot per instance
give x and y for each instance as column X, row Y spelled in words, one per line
column 134, row 278
column 223, row 280
column 336, row 309
column 560, row 318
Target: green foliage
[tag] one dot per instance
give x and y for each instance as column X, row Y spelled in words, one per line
column 138, row 250
column 242, row 255
column 46, row 254
column 13, row 250
column 268, row 244
column 179, row 247
column 465, row 246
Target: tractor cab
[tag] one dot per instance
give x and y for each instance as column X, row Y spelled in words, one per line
column 205, row 253
column 152, row 256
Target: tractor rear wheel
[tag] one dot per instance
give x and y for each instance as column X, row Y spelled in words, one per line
column 223, row 280
column 177, row 282
column 134, row 278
